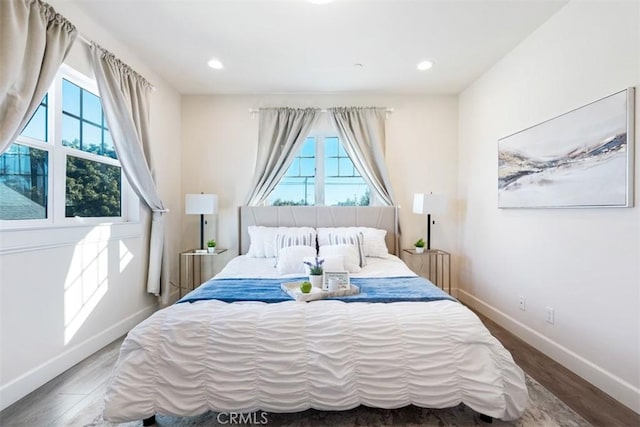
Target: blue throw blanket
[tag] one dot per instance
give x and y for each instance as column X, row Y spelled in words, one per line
column 379, row 289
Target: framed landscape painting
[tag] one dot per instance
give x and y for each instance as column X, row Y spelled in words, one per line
column 583, row 158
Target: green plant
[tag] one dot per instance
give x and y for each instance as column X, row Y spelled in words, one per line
column 419, row 243
column 315, row 269
column 211, row 243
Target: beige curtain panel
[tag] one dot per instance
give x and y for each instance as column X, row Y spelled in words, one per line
column 125, row 100
column 362, row 132
column 34, row 40
column 281, row 134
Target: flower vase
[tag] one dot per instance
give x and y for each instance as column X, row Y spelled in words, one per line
column 211, row 249
column 419, row 250
column 316, row 280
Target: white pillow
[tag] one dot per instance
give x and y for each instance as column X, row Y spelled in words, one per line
column 375, row 244
column 355, row 239
column 331, row 263
column 374, row 239
column 263, row 239
column 349, row 253
column 291, row 259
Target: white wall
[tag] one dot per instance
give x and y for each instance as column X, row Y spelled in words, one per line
column 219, row 140
column 68, row 291
column 582, row 262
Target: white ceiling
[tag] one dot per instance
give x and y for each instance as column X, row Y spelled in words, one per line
column 294, row 46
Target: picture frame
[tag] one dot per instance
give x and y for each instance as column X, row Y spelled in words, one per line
column 580, row 159
column 342, row 276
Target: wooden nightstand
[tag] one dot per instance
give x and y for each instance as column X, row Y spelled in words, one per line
column 198, row 267
column 432, row 264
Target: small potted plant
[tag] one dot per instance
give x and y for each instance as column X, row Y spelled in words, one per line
column 419, row 244
column 315, row 272
column 211, row 246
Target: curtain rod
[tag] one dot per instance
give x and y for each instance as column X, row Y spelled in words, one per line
column 84, row 39
column 322, row 110
column 88, row 43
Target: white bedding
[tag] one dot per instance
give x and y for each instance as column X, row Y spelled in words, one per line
column 246, row 267
column 286, row 357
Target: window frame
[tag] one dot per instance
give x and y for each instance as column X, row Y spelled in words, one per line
column 320, row 134
column 299, row 157
column 372, row 199
column 57, row 164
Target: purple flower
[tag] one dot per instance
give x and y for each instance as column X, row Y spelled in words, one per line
column 315, row 269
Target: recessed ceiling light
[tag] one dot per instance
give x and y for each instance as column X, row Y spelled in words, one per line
column 215, row 64
column 425, row 65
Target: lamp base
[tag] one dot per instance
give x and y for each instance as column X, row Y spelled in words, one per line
column 428, row 232
column 202, row 233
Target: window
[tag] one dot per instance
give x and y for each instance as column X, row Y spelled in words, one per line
column 66, row 151
column 297, row 187
column 83, row 123
column 24, row 183
column 343, row 185
column 321, row 174
column 24, row 171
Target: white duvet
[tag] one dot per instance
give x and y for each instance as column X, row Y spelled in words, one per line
column 190, row 358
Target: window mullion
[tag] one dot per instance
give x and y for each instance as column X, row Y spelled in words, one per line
column 91, row 156
column 319, row 170
column 81, row 120
column 57, row 167
column 46, row 122
column 102, row 127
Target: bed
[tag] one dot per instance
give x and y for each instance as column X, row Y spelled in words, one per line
column 237, row 345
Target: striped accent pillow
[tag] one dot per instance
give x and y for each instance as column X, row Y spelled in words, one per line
column 285, row 240
column 354, row 239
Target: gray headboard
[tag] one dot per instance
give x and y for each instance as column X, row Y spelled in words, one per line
column 383, row 217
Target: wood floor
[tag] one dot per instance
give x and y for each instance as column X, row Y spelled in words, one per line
column 590, row 402
column 74, row 397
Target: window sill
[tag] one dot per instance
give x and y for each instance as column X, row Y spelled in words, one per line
column 15, row 240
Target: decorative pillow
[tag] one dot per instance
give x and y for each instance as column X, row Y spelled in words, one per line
column 375, row 244
column 291, row 259
column 354, row 239
column 295, row 239
column 263, row 239
column 349, row 254
column 331, row 263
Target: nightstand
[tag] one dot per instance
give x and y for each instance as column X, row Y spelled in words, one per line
column 432, row 264
column 198, row 267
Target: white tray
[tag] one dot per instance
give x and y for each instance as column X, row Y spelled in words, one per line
column 293, row 289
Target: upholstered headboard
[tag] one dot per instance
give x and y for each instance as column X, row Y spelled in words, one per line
column 383, row 217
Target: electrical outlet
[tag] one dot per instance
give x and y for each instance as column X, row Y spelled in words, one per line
column 550, row 315
column 523, row 306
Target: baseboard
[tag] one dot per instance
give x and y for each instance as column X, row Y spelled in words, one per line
column 614, row 386
column 36, row 377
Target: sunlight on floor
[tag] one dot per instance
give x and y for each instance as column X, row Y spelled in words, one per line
column 87, row 280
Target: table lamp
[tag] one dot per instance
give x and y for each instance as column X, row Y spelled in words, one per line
column 428, row 204
column 201, row 204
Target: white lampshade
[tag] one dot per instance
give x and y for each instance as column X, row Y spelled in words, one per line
column 201, row 204
column 428, row 203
